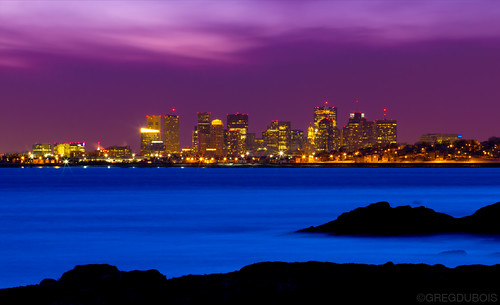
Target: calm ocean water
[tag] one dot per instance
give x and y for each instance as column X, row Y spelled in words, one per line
column 211, row 220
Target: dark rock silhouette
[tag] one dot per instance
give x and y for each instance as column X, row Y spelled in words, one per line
column 264, row 283
column 381, row 219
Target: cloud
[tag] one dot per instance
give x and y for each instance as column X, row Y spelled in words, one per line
column 219, row 31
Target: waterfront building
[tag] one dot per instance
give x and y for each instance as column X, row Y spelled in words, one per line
column 41, row 149
column 150, row 140
column 440, row 138
column 71, row 149
column 171, row 134
column 326, row 136
column 119, row 151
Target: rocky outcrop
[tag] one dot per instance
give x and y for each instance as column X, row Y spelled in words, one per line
column 380, row 219
column 267, row 283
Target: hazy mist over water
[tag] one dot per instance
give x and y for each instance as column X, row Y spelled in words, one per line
column 211, row 220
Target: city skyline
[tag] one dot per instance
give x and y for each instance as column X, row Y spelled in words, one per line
column 90, row 71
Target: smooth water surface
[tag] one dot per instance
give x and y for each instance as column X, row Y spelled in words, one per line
column 211, row 220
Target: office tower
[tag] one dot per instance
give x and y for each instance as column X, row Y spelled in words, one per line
column 150, row 140
column 250, row 142
column 325, row 112
column 71, row 149
column 153, row 122
column 41, row 149
column 326, row 136
column 277, row 137
column 237, row 130
column 194, row 141
column 358, row 133
column 440, row 138
column 386, row 132
column 203, row 127
column 216, row 143
column 296, row 140
column 171, row 134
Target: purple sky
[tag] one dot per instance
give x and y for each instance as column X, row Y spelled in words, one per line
column 91, row 70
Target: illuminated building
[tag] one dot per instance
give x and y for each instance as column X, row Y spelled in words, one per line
column 171, row 134
column 216, row 143
column 325, row 112
column 440, row 138
column 326, row 136
column 41, row 149
column 194, row 141
column 237, row 130
column 386, row 132
column 250, row 143
column 296, row 140
column 277, row 137
column 67, row 150
column 358, row 133
column 203, row 128
column 153, row 122
column 119, row 151
column 150, row 139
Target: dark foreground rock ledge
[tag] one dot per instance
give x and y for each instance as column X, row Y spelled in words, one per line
column 381, row 219
column 267, row 283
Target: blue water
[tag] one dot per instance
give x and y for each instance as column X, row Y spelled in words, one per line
column 211, row 220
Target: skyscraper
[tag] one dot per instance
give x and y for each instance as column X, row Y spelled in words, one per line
column 203, row 127
column 171, row 133
column 296, row 140
column 150, row 140
column 216, row 144
column 386, row 132
column 326, row 136
column 237, row 130
column 153, row 122
column 277, row 137
column 325, row 112
column 358, row 133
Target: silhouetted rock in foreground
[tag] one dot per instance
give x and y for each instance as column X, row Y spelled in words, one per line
column 381, row 219
column 266, row 283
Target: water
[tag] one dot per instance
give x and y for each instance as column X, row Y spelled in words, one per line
column 210, row 220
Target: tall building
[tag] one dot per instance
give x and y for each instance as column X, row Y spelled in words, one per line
column 277, row 137
column 41, row 149
column 171, row 134
column 358, row 133
column 386, row 132
column 194, row 141
column 296, row 140
column 153, row 122
column 325, row 112
column 216, row 143
column 150, row 140
column 203, row 126
column 237, row 130
column 327, row 136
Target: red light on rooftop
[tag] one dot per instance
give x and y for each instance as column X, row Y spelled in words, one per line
column 326, row 102
column 173, row 109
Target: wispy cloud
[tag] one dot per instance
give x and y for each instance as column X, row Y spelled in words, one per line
column 220, row 30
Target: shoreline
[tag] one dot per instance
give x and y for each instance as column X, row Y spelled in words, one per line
column 268, row 165
column 268, row 283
